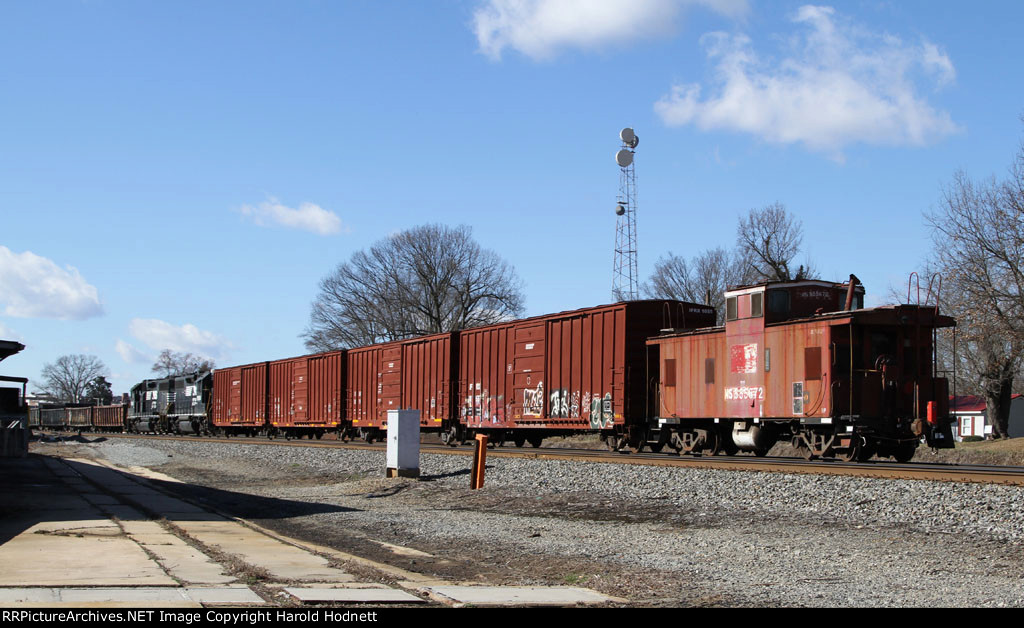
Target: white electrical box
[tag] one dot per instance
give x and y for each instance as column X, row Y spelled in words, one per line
column 403, row 443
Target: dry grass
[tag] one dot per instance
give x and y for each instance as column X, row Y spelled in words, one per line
column 1006, row 452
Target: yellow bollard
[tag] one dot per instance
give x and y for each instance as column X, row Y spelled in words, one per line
column 476, row 478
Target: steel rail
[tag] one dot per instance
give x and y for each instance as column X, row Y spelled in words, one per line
column 874, row 468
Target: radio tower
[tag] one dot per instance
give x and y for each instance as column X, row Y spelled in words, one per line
column 624, row 275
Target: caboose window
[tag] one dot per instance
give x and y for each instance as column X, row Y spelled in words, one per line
column 730, row 309
column 755, row 305
column 778, row 301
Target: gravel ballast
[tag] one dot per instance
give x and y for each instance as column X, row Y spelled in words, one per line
column 653, row 535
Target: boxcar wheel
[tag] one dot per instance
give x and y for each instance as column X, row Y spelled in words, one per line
column 519, row 440
column 852, row 453
column 535, row 441
column 451, row 436
column 497, row 439
column 712, row 443
column 867, row 451
column 611, row 441
column 904, row 451
column 636, row 442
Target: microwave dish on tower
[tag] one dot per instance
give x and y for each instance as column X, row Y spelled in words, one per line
column 625, row 276
column 629, row 137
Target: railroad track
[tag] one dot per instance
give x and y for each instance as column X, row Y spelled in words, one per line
column 873, row 468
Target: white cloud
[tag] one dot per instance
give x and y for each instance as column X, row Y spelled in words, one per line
column 130, row 354
column 6, row 333
column 308, row 217
column 837, row 85
column 34, row 287
column 160, row 335
column 540, row 28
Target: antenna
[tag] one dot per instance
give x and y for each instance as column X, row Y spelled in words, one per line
column 625, row 276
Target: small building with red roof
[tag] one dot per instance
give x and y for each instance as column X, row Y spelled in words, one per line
column 969, row 412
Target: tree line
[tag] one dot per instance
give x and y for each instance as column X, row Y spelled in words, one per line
column 82, row 378
column 978, row 259
column 767, row 244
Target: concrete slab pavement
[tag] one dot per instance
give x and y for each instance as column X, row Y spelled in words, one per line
column 522, row 596
column 82, row 533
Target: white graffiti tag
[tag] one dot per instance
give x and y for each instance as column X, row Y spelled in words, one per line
column 533, row 400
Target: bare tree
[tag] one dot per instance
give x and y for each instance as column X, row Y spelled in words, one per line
column 978, row 233
column 769, row 240
column 703, row 280
column 67, row 377
column 428, row 279
column 170, row 363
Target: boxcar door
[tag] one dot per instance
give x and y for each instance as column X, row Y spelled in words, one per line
column 390, row 383
column 529, row 399
column 300, row 392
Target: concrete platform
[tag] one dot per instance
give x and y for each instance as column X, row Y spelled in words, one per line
column 82, row 533
column 522, row 596
column 353, row 595
column 133, row 597
column 284, row 562
column 52, row 536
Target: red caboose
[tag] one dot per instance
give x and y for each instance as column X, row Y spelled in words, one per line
column 804, row 360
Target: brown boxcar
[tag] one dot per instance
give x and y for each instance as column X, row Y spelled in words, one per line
column 429, row 378
column 790, row 361
column 405, row 374
column 305, row 394
column 373, row 383
column 240, row 399
column 109, row 418
column 80, row 418
column 580, row 370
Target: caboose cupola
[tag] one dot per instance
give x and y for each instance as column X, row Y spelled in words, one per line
column 779, row 301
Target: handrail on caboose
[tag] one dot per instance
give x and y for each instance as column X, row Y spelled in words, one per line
column 928, row 295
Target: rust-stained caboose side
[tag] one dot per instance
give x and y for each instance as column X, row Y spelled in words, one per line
column 803, row 360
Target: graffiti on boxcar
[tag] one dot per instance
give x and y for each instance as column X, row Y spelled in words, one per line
column 560, row 403
column 533, row 400
column 490, row 407
column 483, row 406
column 601, row 412
column 574, row 405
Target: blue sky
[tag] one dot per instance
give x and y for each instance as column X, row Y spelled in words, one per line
column 182, row 174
